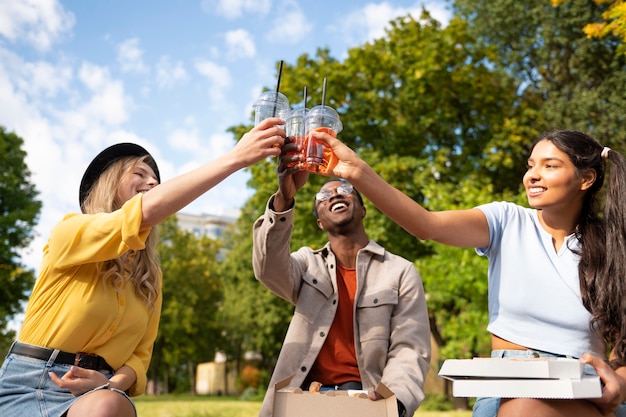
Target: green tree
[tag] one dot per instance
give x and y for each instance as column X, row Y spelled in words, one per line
column 189, row 331
column 253, row 319
column 575, row 81
column 19, row 210
column 423, row 106
column 613, row 22
column 425, row 97
column 445, row 115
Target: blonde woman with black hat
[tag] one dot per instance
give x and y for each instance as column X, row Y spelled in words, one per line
column 91, row 321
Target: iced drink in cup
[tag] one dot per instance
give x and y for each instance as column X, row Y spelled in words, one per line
column 271, row 104
column 295, row 127
column 317, row 156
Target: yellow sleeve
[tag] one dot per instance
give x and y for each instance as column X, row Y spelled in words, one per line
column 90, row 238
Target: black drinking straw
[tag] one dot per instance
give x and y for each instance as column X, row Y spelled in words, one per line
column 304, row 94
column 323, row 99
column 280, row 71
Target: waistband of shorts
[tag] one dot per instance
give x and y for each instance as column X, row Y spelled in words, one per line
column 82, row 359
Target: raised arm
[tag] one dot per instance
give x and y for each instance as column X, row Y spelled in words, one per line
column 463, row 228
column 290, row 179
column 169, row 197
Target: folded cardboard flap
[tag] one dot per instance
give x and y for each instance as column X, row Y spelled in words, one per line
column 294, row 402
column 384, row 391
column 295, row 390
column 283, row 384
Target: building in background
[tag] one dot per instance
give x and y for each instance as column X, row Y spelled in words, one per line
column 206, row 225
column 216, row 378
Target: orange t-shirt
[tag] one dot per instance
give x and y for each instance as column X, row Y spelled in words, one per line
column 336, row 362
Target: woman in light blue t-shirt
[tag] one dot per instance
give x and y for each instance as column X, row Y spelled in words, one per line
column 565, row 229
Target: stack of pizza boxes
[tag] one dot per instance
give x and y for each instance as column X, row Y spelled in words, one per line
column 558, row 378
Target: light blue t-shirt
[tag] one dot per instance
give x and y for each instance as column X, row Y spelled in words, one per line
column 534, row 291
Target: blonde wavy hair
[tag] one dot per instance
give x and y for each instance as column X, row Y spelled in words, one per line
column 141, row 267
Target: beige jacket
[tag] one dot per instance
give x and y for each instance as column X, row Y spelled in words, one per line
column 391, row 327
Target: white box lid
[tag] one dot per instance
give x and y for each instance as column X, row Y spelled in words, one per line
column 548, row 368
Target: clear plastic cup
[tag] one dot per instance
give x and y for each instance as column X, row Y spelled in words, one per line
column 295, row 128
column 271, row 104
column 317, row 156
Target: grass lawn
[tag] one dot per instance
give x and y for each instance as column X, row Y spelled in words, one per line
column 202, row 406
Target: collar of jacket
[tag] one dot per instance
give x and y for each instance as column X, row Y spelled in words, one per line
column 371, row 247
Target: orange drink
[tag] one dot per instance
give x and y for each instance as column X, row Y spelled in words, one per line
column 318, row 158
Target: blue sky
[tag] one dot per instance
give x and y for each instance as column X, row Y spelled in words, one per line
column 77, row 76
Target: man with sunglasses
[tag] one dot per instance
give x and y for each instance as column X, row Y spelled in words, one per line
column 360, row 312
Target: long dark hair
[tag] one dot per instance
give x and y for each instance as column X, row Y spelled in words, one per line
column 602, row 235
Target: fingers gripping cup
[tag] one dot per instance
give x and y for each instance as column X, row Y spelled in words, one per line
column 271, row 104
column 318, row 157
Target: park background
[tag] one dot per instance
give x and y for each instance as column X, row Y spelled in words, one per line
column 443, row 112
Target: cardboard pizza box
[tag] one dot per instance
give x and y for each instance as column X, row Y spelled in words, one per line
column 513, row 368
column 558, row 378
column 586, row 387
column 294, row 402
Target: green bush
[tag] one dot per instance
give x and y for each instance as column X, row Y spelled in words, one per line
column 436, row 402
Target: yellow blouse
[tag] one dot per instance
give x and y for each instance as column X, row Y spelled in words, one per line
column 71, row 310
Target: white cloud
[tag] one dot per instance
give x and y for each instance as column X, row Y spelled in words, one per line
column 220, row 143
column 290, row 26
column 129, row 56
column 22, row 108
column 45, row 78
column 169, row 74
column 39, row 23
column 190, row 140
column 93, row 76
column 438, row 9
column 218, row 76
column 110, row 104
column 58, row 142
column 37, row 80
column 187, row 140
column 232, row 9
column 240, row 44
column 92, row 111
column 219, row 199
column 370, row 22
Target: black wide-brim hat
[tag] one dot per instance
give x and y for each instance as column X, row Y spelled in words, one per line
column 105, row 158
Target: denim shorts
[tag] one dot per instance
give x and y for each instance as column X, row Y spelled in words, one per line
column 27, row 390
column 488, row 406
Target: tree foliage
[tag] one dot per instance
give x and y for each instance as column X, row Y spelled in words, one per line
column 445, row 114
column 612, row 24
column 19, row 211
column 423, row 106
column 574, row 81
column 189, row 332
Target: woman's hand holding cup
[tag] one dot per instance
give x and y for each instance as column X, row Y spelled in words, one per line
column 346, row 164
